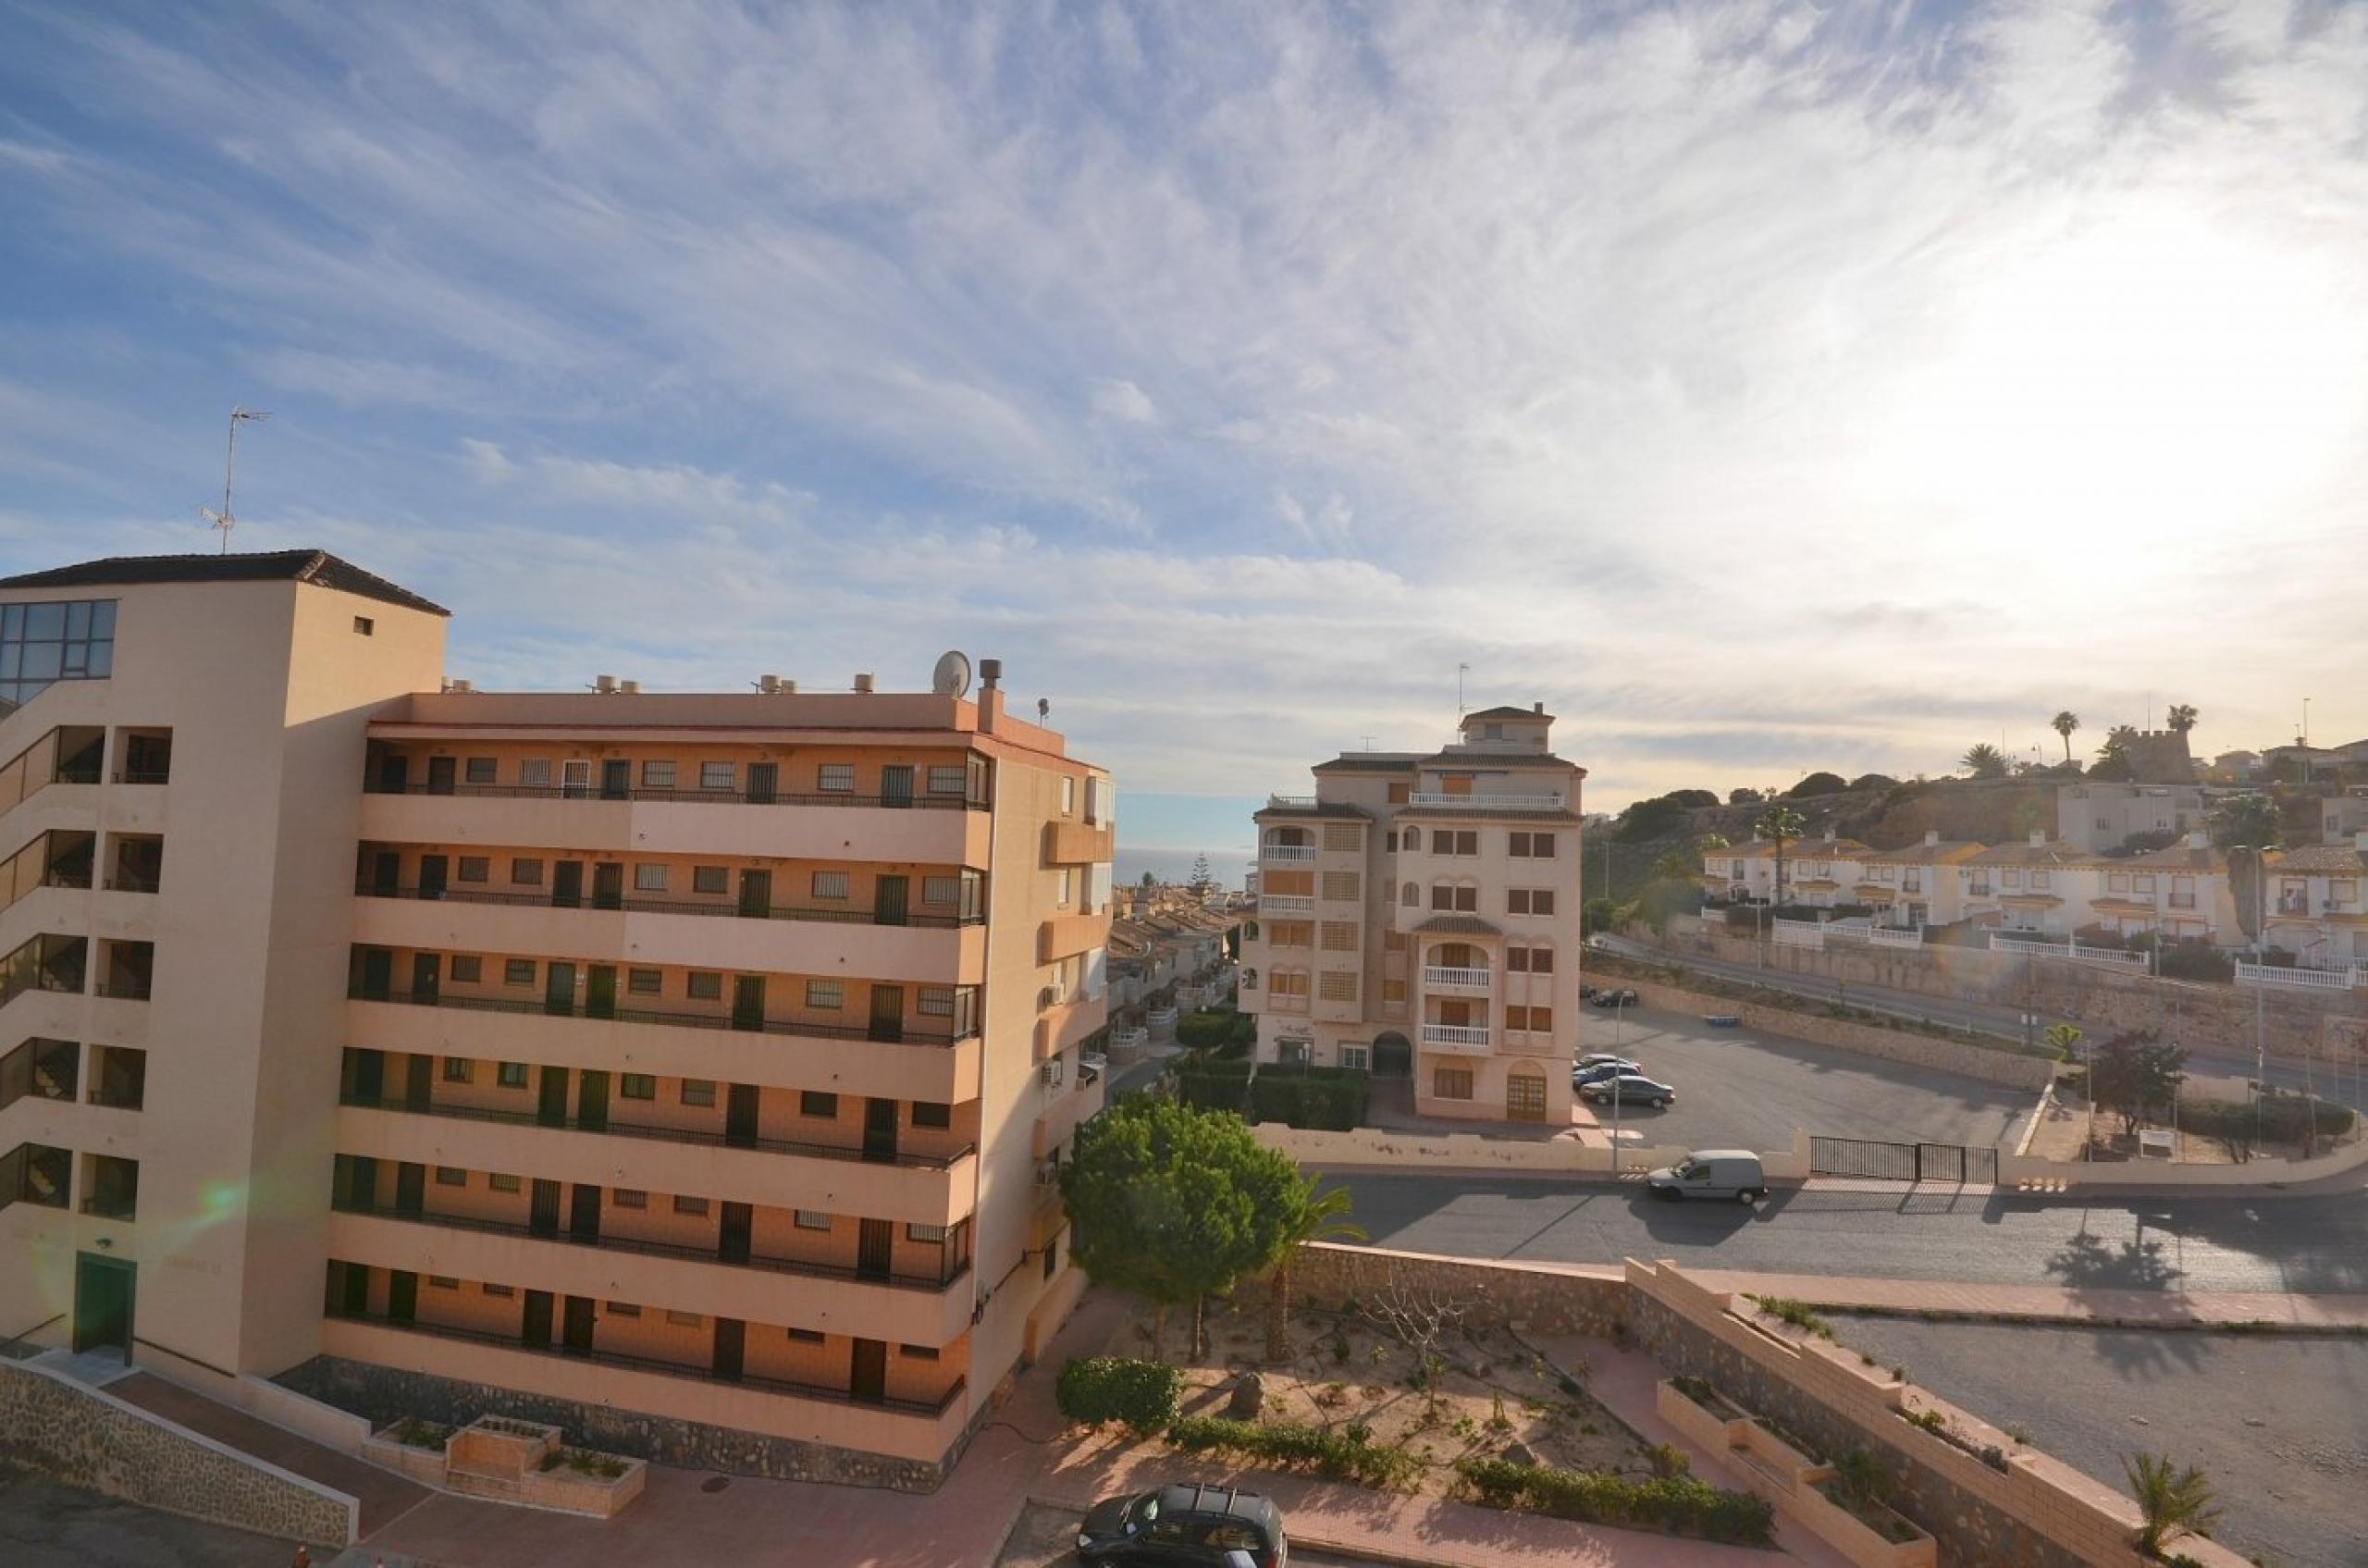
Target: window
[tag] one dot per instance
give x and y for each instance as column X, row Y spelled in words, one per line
column 636, row 1086
column 698, row 1092
column 942, row 890
column 830, row 885
column 1068, row 797
column 476, row 868
column 689, row 1206
column 645, row 982
column 1411, row 896
column 500, row 1292
column 836, row 778
column 1529, row 901
column 658, row 776
column 1286, row 982
column 1398, row 793
column 818, row 1104
column 684, row 1319
column 621, row 1309
column 1393, row 990
column 1343, row 887
column 716, row 775
column 947, row 781
column 1343, row 836
column 1516, row 960
column 649, row 877
column 1338, row 985
column 934, row 1002
column 2040, row 879
column 526, row 872
column 2011, row 877
column 451, row 1176
column 1413, row 838
column 1455, row 841
column 478, row 770
column 811, row 1219
column 517, row 971
column 1450, row 1083
column 629, row 1198
column 1536, row 1019
column 918, row 1353
column 930, row 1235
column 364, row 626
column 443, row 1282
column 804, row 1337
column 510, row 1075
column 711, row 879
column 501, row 1183
column 932, row 1113
column 1068, row 886
column 456, row 1070
column 704, row 987
column 1464, row 899
column 535, row 773
column 2118, row 881
column 826, row 994
column 468, row 969
column 1355, row 1057
column 1533, row 847
column 1339, row 936
column 1291, row 934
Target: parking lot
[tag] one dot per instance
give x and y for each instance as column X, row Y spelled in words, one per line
column 1737, row 1088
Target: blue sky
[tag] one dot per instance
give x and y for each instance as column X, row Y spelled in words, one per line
column 1762, row 386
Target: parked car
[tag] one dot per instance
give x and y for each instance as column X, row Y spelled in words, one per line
column 1711, row 1173
column 1184, row 1523
column 1632, row 1088
column 1598, row 1058
column 1587, row 990
column 1581, row 1077
column 1616, row 996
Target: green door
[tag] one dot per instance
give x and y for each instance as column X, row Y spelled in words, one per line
column 103, row 1291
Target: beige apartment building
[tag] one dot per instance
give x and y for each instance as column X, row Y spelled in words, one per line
column 1418, row 917
column 687, row 1069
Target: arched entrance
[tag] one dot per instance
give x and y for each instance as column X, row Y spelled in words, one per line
column 1393, row 1055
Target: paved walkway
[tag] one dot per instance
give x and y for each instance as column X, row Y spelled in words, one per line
column 384, row 1495
column 2054, row 1303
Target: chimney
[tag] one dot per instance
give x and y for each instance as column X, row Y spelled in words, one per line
column 863, row 683
column 629, row 688
column 1931, row 837
column 1537, row 707
column 990, row 694
column 605, row 685
column 2038, row 838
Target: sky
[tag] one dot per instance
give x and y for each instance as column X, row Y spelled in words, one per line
column 1763, row 388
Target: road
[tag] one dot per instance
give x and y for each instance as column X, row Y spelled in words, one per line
column 2315, row 1244
column 2004, row 1022
column 2280, row 1424
column 1739, row 1088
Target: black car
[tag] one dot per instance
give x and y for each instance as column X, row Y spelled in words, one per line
column 1617, row 997
column 1630, row 1088
column 1184, row 1523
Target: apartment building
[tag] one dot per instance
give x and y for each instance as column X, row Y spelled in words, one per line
column 2038, row 886
column 1819, row 872
column 2317, row 904
column 1418, row 917
column 1915, row 886
column 2100, row 816
column 687, row 1069
column 2343, row 818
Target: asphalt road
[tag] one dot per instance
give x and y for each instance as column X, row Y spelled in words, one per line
column 2225, row 1059
column 2280, row 1424
column 1736, row 1087
column 2312, row 1244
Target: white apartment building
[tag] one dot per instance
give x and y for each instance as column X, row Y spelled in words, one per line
column 2315, row 908
column 1419, row 915
column 2342, row 818
column 1916, row 886
column 2039, row 886
column 1816, row 872
column 2098, row 816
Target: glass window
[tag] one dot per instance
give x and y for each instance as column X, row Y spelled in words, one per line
column 1355, row 1057
column 517, row 971
column 535, row 773
column 629, row 1198
column 716, row 775
column 830, row 884
column 698, row 1092
column 645, row 982
column 936, row 1002
column 835, row 777
column 1452, row 1083
column 468, row 969
column 689, row 1206
column 684, row 1319
column 451, row 1176
column 918, row 1353
column 501, row 1183
column 456, row 1070
column 658, row 776
column 443, row 1282
column 479, row 771
column 621, row 1309
column 812, row 1219
column 818, row 1104
column 525, row 871
column 636, row 1086
column 941, row 890
column 511, row 1075
column 711, row 879
column 60, row 640
column 476, row 868
column 932, row 1113
column 805, row 1336
column 1069, row 796
column 504, row 1292
column 930, row 1234
column 704, row 987
column 825, row 993
column 946, row 781
column 648, row 877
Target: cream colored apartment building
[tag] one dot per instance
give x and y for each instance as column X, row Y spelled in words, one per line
column 688, row 1069
column 1418, row 915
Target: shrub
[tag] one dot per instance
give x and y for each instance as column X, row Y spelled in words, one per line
column 1667, row 1458
column 415, row 1433
column 1202, row 1029
column 1332, row 1099
column 1698, row 1390
column 2282, row 1116
column 1793, row 1313
column 1098, row 1389
column 1291, row 1446
column 1676, row 1503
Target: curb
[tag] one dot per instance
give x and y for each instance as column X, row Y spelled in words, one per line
column 2251, row 1326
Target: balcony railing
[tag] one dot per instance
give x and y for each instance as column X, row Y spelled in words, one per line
column 607, row 1243
column 130, row 881
column 1452, row 978
column 1288, row 852
column 879, row 1034
column 108, row 1206
column 1289, row 802
column 1456, row 1036
column 664, row 907
column 664, row 1368
column 698, row 1136
column 593, row 792
column 1286, row 904
column 132, row 988
column 1487, row 802
column 140, row 776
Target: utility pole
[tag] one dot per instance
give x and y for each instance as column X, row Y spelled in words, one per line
column 1618, row 1007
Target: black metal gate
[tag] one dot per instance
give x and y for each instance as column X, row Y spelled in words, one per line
column 1962, row 1164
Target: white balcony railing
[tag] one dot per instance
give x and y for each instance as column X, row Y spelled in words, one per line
column 2301, row 979
column 1281, row 1002
column 1286, row 904
column 1487, row 802
column 1445, row 979
column 1455, row 1036
column 1290, row 800
column 1288, row 852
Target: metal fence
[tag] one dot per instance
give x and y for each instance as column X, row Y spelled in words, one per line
column 1874, row 1161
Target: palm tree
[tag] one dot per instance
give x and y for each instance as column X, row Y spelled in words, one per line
column 1323, row 1217
column 1779, row 824
column 2170, row 1500
column 2063, row 723
column 1984, row 760
column 2182, row 717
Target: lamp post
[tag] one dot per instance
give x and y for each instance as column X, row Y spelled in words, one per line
column 1618, row 1007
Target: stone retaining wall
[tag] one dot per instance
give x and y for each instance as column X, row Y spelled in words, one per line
column 386, row 1394
column 1496, row 1294
column 88, row 1437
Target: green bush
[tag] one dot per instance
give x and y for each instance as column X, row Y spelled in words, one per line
column 1330, row 1098
column 1676, row 1503
column 1213, row 1084
column 1291, row 1446
column 1098, row 1389
column 1202, row 1029
column 2282, row 1116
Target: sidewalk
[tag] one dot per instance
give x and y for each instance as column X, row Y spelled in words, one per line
column 2055, row 1304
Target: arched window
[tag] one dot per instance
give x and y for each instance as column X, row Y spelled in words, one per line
column 1249, row 980
column 1249, row 931
column 1413, row 838
column 1411, row 896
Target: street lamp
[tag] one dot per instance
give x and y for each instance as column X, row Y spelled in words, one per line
column 1618, row 1007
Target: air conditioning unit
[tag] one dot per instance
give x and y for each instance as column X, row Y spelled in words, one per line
column 1049, row 996
column 629, row 688
column 605, row 685
column 1052, row 1073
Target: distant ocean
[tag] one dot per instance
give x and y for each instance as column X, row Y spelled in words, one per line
column 1176, row 865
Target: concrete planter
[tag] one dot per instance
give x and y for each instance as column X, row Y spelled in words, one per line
column 1707, row 1428
column 504, row 1460
column 1841, row 1528
column 1774, row 1469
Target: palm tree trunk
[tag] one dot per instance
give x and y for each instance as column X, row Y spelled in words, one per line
column 1279, row 1314
column 1200, row 1326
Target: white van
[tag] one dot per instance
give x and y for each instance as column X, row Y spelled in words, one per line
column 1711, row 1173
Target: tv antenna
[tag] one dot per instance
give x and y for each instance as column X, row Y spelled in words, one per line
column 1461, row 671
column 222, row 519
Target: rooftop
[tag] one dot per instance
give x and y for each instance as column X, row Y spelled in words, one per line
column 316, row 566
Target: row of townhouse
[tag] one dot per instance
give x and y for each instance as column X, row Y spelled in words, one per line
column 2314, row 900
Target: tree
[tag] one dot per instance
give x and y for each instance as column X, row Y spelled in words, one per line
column 1656, row 818
column 1744, row 798
column 2133, row 1072
column 1779, row 825
column 2063, row 723
column 1321, row 1216
column 2061, row 1038
column 1202, row 878
column 1417, row 1304
column 2254, row 819
column 1870, row 782
column 1175, row 1203
column 1819, row 783
column 1149, row 881
column 1693, row 800
column 2169, row 1500
column 2119, row 741
column 1984, row 760
column 2181, row 718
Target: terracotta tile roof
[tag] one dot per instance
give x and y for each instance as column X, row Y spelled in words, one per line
column 1321, row 809
column 1506, row 712
column 316, row 566
column 2341, row 860
column 1948, row 851
column 2057, row 852
column 1372, row 761
column 2181, row 857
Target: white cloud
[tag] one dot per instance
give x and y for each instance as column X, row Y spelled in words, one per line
column 1124, row 402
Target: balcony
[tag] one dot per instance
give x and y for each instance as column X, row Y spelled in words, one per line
column 1286, row 904
column 1077, row 844
column 1486, row 803
column 1464, row 1038
column 1062, row 936
column 1437, row 978
column 1290, row 802
column 1281, row 1001
column 1288, row 853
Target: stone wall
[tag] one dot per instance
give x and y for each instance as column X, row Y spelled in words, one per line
column 386, row 1394
column 88, row 1437
column 1550, row 1301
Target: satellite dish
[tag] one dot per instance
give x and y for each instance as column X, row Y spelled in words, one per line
column 952, row 677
